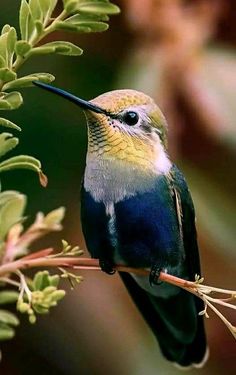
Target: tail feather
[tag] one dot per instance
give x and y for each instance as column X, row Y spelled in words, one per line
column 175, row 323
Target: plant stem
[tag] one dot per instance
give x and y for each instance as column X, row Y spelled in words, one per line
column 37, row 38
column 39, row 259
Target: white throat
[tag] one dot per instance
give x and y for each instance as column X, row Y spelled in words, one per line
column 109, row 180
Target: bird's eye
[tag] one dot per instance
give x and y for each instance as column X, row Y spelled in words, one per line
column 131, row 118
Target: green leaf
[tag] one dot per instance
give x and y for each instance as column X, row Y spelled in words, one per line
column 54, row 217
column 6, row 332
column 86, row 17
column 61, row 47
column 7, row 143
column 35, row 10
column 8, row 296
column 2, row 62
column 11, row 213
column 98, row 7
column 24, row 162
column 94, row 26
column 13, row 100
column 39, row 27
column 3, row 48
column 9, row 124
column 93, row 22
column 27, row 80
column 72, row 27
column 41, row 309
column 39, row 280
column 47, row 7
column 57, row 295
column 22, row 47
column 4, row 104
column 7, row 75
column 54, row 280
column 7, row 195
column 59, row 25
column 11, row 42
column 5, row 29
column 70, row 5
column 6, row 317
column 25, row 21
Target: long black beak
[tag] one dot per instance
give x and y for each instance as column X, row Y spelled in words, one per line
column 80, row 102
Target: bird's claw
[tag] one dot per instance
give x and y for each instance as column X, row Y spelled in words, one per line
column 106, row 266
column 154, row 275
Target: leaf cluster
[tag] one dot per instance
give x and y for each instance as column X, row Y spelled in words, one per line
column 37, row 20
column 14, row 243
column 42, row 294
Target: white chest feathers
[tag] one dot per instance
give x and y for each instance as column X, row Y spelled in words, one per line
column 110, row 181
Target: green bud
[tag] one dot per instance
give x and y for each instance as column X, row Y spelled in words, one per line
column 30, row 311
column 41, row 309
column 22, row 47
column 40, row 280
column 58, row 295
column 54, row 280
column 32, row 319
column 39, row 27
column 22, row 307
column 49, row 290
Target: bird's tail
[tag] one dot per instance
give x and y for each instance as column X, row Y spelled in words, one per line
column 175, row 322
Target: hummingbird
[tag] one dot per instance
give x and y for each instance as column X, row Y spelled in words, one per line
column 136, row 210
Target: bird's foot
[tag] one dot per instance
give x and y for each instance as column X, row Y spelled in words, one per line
column 154, row 275
column 106, row 266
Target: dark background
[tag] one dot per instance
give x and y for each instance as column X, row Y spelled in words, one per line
column 96, row 329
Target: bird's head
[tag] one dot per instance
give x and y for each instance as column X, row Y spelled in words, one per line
column 124, row 125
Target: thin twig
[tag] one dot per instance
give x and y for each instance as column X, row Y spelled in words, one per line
column 196, row 288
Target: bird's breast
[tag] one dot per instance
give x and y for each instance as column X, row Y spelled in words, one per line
column 111, row 181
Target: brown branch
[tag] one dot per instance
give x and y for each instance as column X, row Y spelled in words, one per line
column 83, row 263
column 42, row 259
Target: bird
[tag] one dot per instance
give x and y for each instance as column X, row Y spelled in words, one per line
column 137, row 210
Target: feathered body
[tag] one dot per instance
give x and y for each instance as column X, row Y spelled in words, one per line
column 136, row 210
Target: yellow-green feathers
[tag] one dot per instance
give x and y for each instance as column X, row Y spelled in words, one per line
column 141, row 145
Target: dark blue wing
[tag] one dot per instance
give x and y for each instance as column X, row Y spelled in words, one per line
column 148, row 228
column 175, row 320
column 95, row 227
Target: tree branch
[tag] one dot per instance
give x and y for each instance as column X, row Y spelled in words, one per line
column 44, row 258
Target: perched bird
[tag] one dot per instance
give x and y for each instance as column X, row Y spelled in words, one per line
column 136, row 210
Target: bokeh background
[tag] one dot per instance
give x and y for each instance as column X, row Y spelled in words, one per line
column 183, row 53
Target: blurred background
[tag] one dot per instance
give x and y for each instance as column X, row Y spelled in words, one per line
column 182, row 53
